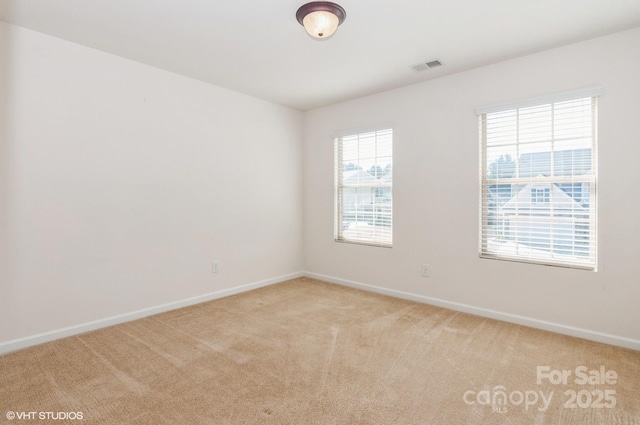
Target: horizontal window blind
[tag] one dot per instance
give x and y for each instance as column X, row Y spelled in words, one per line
column 538, row 182
column 363, row 177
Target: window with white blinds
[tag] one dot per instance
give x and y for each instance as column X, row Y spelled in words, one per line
column 538, row 180
column 363, row 178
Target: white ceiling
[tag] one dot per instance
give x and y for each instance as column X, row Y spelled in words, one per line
column 258, row 47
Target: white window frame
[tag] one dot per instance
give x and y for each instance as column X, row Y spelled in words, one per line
column 357, row 225
column 489, row 247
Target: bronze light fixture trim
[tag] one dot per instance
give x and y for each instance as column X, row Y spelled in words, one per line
column 321, row 18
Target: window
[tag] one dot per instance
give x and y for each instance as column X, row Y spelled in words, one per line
column 538, row 180
column 539, row 196
column 363, row 187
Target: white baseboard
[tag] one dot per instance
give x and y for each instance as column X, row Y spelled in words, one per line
column 492, row 314
column 20, row 343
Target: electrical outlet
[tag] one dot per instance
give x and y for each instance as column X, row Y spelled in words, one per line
column 215, row 266
column 426, row 270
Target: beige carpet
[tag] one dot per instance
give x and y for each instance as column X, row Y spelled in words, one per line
column 308, row 352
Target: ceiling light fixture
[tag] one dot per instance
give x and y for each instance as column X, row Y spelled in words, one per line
column 321, row 18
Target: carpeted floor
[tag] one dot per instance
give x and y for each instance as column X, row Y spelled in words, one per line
column 308, row 352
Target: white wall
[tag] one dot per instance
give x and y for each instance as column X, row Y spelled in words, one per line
column 436, row 191
column 120, row 183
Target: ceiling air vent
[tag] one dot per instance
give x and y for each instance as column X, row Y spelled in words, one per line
column 427, row 65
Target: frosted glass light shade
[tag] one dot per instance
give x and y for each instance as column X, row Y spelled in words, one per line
column 321, row 24
column 320, row 18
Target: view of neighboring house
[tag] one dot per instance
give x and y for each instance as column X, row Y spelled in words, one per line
column 365, row 198
column 525, row 218
column 523, row 213
column 358, row 190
